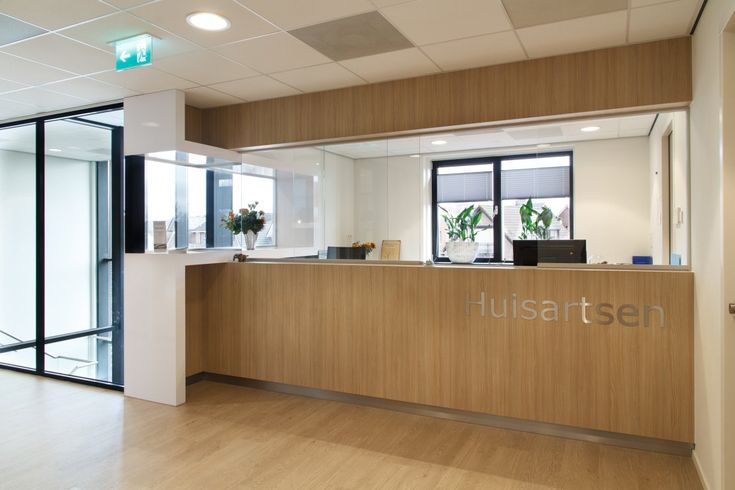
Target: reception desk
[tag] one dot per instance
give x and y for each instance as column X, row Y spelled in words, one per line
column 581, row 348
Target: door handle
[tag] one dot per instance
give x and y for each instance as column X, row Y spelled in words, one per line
column 731, row 308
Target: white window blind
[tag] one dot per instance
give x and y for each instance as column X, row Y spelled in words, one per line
column 535, row 183
column 468, row 187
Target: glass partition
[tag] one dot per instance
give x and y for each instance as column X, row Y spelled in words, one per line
column 190, row 198
column 18, row 246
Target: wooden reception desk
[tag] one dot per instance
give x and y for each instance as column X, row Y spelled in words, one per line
column 600, row 350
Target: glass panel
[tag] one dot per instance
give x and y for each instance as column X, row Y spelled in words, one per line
column 522, row 179
column 72, row 153
column 18, row 242
column 84, row 357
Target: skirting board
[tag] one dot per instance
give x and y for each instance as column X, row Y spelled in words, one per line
column 543, row 428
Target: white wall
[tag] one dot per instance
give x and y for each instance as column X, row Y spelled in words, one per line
column 611, row 198
column 338, row 200
column 707, row 251
column 388, row 203
column 679, row 185
column 18, row 251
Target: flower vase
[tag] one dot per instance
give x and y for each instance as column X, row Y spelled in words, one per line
column 250, row 238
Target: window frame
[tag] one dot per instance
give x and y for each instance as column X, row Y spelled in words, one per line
column 116, row 252
column 496, row 162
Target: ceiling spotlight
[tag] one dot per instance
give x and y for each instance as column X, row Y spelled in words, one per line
column 414, row 156
column 55, row 150
column 208, row 21
column 590, row 129
column 438, row 142
column 543, row 145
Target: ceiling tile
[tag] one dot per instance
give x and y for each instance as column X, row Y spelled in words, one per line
column 387, row 3
column 145, row 80
column 171, row 15
column 10, row 109
column 489, row 49
column 90, row 89
column 101, row 32
column 126, row 4
column 317, row 78
column 61, row 52
column 55, row 14
column 12, row 30
column 642, row 3
column 277, row 52
column 353, row 37
column 527, row 13
column 256, row 88
column 7, row 86
column 662, row 21
column 44, row 100
column 570, row 36
column 433, row 21
column 405, row 63
column 24, row 71
column 204, row 67
column 289, row 14
column 204, row 98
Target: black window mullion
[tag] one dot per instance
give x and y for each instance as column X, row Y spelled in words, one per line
column 40, row 246
column 117, row 249
column 498, row 237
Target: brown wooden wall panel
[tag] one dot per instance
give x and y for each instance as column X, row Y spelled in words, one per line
column 193, row 124
column 642, row 75
column 402, row 333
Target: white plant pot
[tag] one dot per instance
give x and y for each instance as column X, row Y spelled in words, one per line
column 462, row 252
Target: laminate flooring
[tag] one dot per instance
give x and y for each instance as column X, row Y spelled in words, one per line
column 59, row 435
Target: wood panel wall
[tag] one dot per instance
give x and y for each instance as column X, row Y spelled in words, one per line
column 193, row 124
column 623, row 78
column 402, row 333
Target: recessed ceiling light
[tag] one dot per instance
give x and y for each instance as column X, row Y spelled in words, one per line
column 543, row 145
column 414, row 156
column 438, row 142
column 208, row 21
column 590, row 129
column 55, row 150
column 318, row 163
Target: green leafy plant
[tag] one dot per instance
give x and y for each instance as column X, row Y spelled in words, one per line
column 248, row 219
column 463, row 227
column 535, row 223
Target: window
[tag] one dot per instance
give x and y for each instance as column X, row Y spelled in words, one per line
column 498, row 187
column 61, row 274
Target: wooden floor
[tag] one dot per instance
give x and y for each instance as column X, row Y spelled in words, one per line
column 57, row 435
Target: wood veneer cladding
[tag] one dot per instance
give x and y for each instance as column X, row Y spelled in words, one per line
column 402, row 333
column 642, row 75
column 193, row 124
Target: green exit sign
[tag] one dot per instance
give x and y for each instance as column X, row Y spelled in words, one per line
column 133, row 52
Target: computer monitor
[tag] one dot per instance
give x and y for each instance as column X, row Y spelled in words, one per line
column 353, row 253
column 533, row 252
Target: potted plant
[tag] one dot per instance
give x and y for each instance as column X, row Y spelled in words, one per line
column 368, row 246
column 462, row 231
column 248, row 221
column 535, row 223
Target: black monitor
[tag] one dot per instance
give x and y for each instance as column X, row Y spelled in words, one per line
column 353, row 253
column 533, row 252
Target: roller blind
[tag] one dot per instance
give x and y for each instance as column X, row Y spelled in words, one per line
column 535, row 183
column 468, row 187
